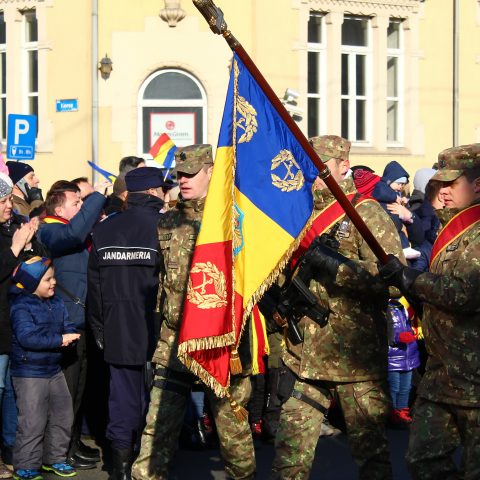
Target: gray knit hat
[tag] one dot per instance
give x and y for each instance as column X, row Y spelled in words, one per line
column 6, row 185
column 422, row 177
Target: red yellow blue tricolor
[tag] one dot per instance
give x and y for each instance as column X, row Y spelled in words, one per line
column 258, row 207
column 163, row 151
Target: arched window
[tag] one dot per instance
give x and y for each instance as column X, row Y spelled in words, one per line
column 173, row 102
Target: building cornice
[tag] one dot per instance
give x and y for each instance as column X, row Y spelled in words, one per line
column 410, row 6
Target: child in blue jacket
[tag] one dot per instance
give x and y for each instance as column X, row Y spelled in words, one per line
column 40, row 329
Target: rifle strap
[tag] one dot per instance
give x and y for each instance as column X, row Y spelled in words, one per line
column 303, row 398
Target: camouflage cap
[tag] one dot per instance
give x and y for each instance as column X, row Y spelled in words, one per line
column 330, row 146
column 192, row 158
column 452, row 162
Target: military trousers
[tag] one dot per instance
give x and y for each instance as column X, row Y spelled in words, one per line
column 164, row 423
column 365, row 407
column 437, row 431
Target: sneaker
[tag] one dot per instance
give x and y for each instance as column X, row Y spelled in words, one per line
column 5, row 472
column 27, row 474
column 399, row 419
column 256, row 429
column 404, row 415
column 328, row 430
column 60, row 469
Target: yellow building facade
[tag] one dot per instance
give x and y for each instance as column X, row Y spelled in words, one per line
column 397, row 77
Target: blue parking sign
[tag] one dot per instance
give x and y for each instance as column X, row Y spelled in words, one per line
column 21, row 134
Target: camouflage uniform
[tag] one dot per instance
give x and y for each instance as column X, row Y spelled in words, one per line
column 346, row 358
column 177, row 233
column 447, row 411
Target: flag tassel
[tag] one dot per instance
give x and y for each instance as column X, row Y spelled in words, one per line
column 235, row 363
column 240, row 413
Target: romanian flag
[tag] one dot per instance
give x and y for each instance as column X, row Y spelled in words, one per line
column 163, row 151
column 258, row 207
column 107, row 175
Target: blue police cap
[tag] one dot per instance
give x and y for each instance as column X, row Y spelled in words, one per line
column 143, row 178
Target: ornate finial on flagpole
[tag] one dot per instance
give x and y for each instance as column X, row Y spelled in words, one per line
column 215, row 19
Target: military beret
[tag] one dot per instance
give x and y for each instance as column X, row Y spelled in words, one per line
column 143, row 178
column 192, row 158
column 17, row 170
column 452, row 162
column 330, row 146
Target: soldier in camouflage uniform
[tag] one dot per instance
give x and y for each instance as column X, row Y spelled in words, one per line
column 348, row 357
column 447, row 410
column 177, row 233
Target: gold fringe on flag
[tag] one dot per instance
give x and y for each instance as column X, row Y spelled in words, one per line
column 240, row 413
column 235, row 362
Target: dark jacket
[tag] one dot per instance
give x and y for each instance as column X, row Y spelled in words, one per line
column 384, row 194
column 401, row 356
column 8, row 261
column 123, row 281
column 38, row 326
column 68, row 244
column 430, row 225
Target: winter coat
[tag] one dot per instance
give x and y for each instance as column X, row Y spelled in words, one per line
column 38, row 326
column 402, row 357
column 8, row 262
column 68, row 246
column 430, row 225
column 384, row 194
column 123, row 281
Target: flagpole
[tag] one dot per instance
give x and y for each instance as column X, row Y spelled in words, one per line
column 214, row 17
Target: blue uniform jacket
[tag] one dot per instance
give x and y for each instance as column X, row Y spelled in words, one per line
column 38, row 326
column 67, row 244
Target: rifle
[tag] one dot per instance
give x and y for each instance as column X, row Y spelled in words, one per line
column 215, row 18
column 288, row 305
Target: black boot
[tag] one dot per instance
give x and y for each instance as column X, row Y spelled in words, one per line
column 122, row 464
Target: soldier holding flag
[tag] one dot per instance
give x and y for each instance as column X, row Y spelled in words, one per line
column 347, row 358
column 177, row 233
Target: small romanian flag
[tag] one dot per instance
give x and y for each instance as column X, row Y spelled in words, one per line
column 258, row 208
column 163, row 151
column 101, row 171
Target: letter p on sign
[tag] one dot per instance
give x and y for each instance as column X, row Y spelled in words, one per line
column 21, row 128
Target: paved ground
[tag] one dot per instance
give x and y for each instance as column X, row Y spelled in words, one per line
column 332, row 462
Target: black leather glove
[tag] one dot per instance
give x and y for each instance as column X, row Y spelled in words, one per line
column 325, row 261
column 33, row 193
column 98, row 336
column 396, row 274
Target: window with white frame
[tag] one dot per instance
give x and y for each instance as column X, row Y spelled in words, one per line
column 31, row 53
column 3, row 75
column 316, row 73
column 356, row 59
column 394, row 82
column 172, row 101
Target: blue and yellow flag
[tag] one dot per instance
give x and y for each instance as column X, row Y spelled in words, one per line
column 107, row 175
column 257, row 209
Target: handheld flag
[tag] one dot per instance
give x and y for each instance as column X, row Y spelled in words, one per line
column 257, row 209
column 163, row 151
column 107, row 175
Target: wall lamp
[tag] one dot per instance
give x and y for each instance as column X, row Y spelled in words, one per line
column 105, row 67
column 289, row 100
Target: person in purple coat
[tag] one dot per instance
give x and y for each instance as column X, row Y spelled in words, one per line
column 403, row 358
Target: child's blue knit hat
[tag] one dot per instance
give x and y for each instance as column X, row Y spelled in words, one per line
column 29, row 273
